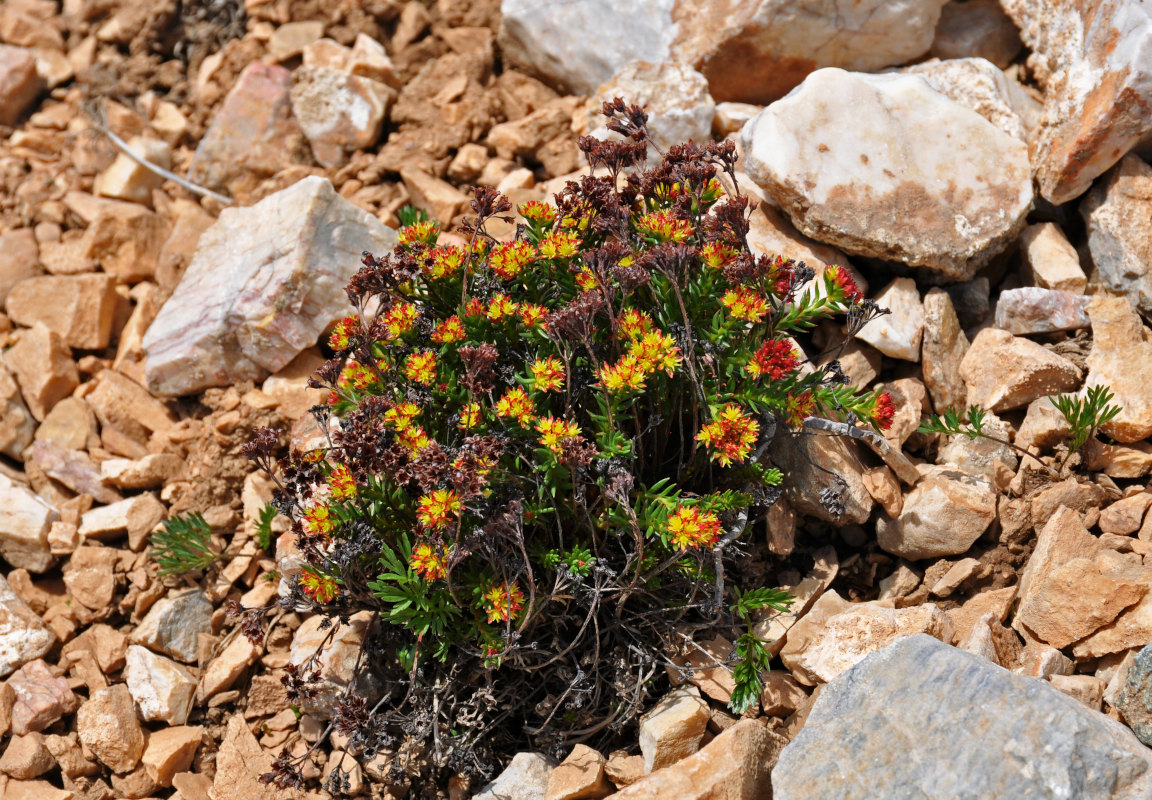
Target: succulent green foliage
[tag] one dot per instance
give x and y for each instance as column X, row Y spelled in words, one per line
column 183, row 545
column 410, row 215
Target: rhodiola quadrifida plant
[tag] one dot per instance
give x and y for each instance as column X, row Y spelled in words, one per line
column 543, row 455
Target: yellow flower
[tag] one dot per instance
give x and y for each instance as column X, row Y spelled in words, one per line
column 625, row 374
column 343, row 332
column 434, row 510
column 427, row 561
column 341, row 482
column 413, row 438
column 320, row 588
column 450, row 330
column 503, row 602
column 554, row 431
column 731, row 435
column 688, row 527
column 502, row 307
column 745, row 304
column 662, row 226
column 510, row 258
column 318, row 521
column 547, row 374
column 560, row 245
column 421, row 367
column 515, row 403
column 400, row 319
column 420, row 232
column 634, row 323
column 445, row 262
column 532, row 314
column 401, row 415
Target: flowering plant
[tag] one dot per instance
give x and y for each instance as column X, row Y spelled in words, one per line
column 541, row 454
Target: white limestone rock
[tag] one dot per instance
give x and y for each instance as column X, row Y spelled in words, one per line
column 916, row 177
column 162, row 689
column 943, row 515
column 582, row 43
column 23, row 636
column 263, row 285
column 1118, row 216
column 897, row 334
column 980, row 85
column 25, row 520
column 1094, row 61
column 674, row 96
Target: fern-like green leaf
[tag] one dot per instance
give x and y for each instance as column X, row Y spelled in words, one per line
column 184, row 545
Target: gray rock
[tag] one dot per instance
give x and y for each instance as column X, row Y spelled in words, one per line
column 921, row 719
column 942, row 351
column 1118, row 214
column 580, row 44
column 526, row 778
column 976, row 28
column 1034, row 310
column 264, row 284
column 173, row 624
column 1135, row 698
column 933, row 202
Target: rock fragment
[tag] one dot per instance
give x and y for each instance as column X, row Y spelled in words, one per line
column 1135, row 698
column 525, row 778
column 927, row 204
column 977, row 28
column 42, row 364
column 674, row 96
column 920, row 691
column 980, row 85
column 580, row 776
column 39, row 698
column 25, row 520
column 107, row 726
column 1003, row 372
column 943, row 515
column 897, row 334
column 1052, row 259
column 1121, row 359
column 1032, row 310
column 173, row 625
column 673, row 728
column 1118, row 215
column 1093, row 64
column 338, row 112
column 20, row 83
column 77, row 307
column 250, row 302
column 162, row 689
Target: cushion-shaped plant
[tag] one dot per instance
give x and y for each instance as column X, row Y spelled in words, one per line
column 541, row 454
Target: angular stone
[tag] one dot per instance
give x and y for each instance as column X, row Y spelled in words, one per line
column 1076, row 598
column 20, row 84
column 26, row 757
column 525, row 778
column 23, row 636
column 70, row 756
column 672, row 729
column 920, row 692
column 338, row 112
column 976, row 29
column 897, row 334
column 900, row 583
column 923, row 204
column 528, row 136
column 40, row 698
column 1054, row 262
column 137, row 516
column 253, row 135
column 756, row 51
column 942, row 351
column 1133, row 628
column 43, row 366
column 839, row 464
column 980, row 85
column 107, row 726
column 90, row 578
column 145, row 473
column 70, row 424
column 674, row 96
column 17, row 425
column 126, row 243
column 74, row 469
column 1003, row 372
column 1086, row 689
column 782, row 694
column 807, row 596
column 1124, row 516
column 250, row 302
column 580, row 776
column 1121, row 359
column 1135, row 698
column 106, row 644
column 581, row 45
column 127, row 180
column 128, row 414
column 1092, row 60
column 1062, row 538
column 846, row 638
column 77, row 307
column 173, row 625
column 943, row 515
column 1031, row 310
column 290, row 39
column 162, row 689
column 25, row 520
column 959, row 572
column 734, row 766
column 981, row 457
column 1076, row 495
column 225, row 669
column 19, row 257
column 239, row 764
column 442, row 200
column 171, row 750
column 715, row 681
column 35, row 790
column 1117, row 214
